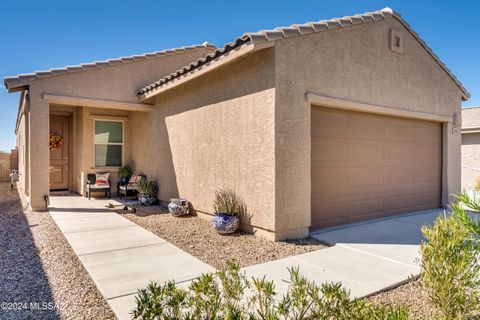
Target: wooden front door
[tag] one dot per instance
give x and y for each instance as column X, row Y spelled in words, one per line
column 59, row 166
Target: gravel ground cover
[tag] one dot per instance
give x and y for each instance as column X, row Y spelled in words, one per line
column 38, row 266
column 409, row 295
column 197, row 237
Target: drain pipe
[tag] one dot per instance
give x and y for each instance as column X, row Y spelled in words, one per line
column 47, row 201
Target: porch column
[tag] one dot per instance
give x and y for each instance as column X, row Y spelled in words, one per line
column 39, row 153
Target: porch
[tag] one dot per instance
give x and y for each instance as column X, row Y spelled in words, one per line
column 84, row 135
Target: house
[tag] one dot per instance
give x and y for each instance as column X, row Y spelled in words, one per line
column 470, row 146
column 315, row 124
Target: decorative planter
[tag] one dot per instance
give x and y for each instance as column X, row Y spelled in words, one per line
column 178, row 207
column 225, row 224
column 147, row 200
column 123, row 181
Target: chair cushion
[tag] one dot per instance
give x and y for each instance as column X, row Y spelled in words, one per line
column 133, row 181
column 127, row 187
column 100, row 186
column 102, row 179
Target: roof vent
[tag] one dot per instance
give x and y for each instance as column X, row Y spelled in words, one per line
column 396, row 41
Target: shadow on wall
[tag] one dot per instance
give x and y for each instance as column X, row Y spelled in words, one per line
column 151, row 146
column 23, row 279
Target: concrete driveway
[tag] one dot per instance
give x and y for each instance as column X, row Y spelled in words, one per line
column 367, row 257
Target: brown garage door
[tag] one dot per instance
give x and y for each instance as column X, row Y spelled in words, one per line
column 366, row 166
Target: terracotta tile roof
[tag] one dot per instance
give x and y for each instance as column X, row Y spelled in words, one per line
column 470, row 118
column 298, row 30
column 18, row 82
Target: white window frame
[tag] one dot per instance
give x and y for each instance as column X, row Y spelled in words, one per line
column 109, row 143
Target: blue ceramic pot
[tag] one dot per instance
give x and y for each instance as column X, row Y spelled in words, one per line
column 146, row 200
column 178, row 207
column 225, row 224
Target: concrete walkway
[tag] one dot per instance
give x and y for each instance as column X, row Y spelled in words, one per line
column 120, row 256
column 367, row 257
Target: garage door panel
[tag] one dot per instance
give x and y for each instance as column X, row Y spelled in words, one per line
column 397, row 202
column 366, row 127
column 400, row 130
column 400, row 152
column 362, row 207
column 375, row 166
column 400, row 176
column 428, row 132
column 329, row 120
column 428, row 198
column 332, row 213
column 367, row 151
column 330, row 152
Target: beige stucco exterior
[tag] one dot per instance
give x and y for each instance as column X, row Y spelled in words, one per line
column 247, row 123
column 115, row 83
column 353, row 64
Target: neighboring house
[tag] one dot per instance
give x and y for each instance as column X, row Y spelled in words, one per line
column 315, row 125
column 470, row 146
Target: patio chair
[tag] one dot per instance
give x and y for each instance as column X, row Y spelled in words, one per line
column 130, row 188
column 98, row 182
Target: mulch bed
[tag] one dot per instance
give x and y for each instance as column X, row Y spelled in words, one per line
column 197, row 237
column 39, row 267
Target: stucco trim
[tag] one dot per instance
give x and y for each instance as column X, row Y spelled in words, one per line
column 471, row 130
column 108, row 117
column 21, row 108
column 97, row 103
column 346, row 104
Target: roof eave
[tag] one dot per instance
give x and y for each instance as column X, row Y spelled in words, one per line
column 269, row 36
column 222, row 60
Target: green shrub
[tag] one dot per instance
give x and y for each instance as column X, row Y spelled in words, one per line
column 227, row 201
column 124, row 171
column 230, row 295
column 459, row 209
column 450, row 269
column 146, row 187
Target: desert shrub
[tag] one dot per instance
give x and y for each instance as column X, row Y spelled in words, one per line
column 471, row 222
column 227, row 201
column 450, row 269
column 230, row 295
column 146, row 187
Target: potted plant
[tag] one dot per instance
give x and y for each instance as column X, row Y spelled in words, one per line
column 124, row 173
column 227, row 206
column 147, row 192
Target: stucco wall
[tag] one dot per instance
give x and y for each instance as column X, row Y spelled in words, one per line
column 356, row 64
column 470, row 159
column 214, row 131
column 21, row 151
column 118, row 83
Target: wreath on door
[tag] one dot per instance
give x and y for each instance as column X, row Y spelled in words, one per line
column 56, row 141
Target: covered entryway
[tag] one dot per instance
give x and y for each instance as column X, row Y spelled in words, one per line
column 367, row 166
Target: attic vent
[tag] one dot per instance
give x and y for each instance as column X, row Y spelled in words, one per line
column 396, row 41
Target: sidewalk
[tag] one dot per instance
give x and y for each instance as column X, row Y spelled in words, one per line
column 121, row 257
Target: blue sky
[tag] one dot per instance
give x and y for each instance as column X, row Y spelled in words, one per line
column 44, row 34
